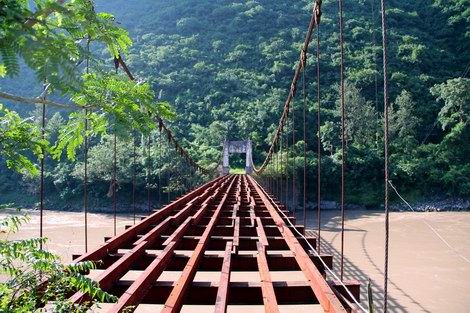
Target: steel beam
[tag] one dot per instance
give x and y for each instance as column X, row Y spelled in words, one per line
column 322, row 290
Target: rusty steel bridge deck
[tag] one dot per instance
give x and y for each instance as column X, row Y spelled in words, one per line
column 223, row 247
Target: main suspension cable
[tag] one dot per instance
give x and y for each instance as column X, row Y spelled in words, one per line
column 316, row 13
column 171, row 140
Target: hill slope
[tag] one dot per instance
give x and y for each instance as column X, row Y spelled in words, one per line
column 226, row 66
column 221, row 57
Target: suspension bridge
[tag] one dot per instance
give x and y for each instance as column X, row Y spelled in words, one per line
column 232, row 244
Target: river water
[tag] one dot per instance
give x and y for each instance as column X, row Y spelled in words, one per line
column 425, row 274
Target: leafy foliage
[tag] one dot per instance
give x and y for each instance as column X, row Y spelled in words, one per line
column 456, row 96
column 49, row 35
column 53, row 39
column 18, row 139
column 26, row 267
column 110, row 101
column 230, row 64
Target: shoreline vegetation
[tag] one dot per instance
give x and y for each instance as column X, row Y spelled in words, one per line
column 449, row 204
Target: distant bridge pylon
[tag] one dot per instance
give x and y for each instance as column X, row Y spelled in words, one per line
column 237, row 147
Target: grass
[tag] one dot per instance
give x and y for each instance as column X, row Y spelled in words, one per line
column 237, row 171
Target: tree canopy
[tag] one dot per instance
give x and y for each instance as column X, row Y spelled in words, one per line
column 225, row 68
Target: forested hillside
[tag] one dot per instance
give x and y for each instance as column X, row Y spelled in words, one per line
column 226, row 67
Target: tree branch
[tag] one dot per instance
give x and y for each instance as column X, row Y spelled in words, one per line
column 30, row 22
column 20, row 99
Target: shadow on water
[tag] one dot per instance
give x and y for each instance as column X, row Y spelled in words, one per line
column 331, row 223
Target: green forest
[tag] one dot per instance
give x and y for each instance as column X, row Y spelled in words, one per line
column 222, row 70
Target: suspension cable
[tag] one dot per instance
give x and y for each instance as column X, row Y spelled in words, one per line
column 160, row 170
column 376, row 80
column 318, row 142
column 343, row 131
column 293, row 157
column 273, row 176
column 114, row 178
column 114, row 174
column 43, row 157
column 386, row 132
column 304, row 95
column 279, row 155
column 276, row 169
column 149, row 160
column 85, row 181
column 439, row 236
column 286, row 171
column 374, row 43
column 286, row 163
column 85, row 157
column 133, row 176
column 270, row 178
column 168, row 178
column 281, row 169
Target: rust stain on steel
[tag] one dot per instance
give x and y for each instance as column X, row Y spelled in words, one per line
column 260, row 231
column 222, row 292
column 222, row 246
column 269, row 297
column 236, row 233
column 138, row 289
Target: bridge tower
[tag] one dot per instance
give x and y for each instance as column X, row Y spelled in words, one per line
column 240, row 146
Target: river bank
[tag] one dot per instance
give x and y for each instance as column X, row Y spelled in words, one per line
column 436, row 204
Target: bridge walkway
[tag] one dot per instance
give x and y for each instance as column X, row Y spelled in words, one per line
column 223, row 247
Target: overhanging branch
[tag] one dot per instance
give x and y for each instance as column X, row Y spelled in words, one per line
column 20, row 99
column 30, row 22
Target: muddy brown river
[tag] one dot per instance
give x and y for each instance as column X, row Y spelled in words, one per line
column 426, row 275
